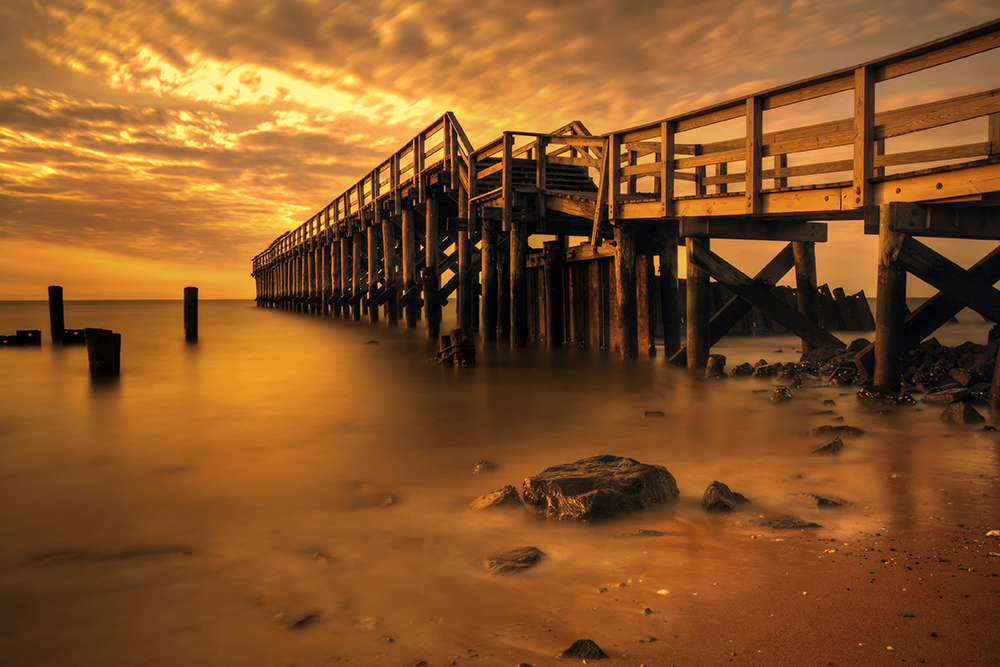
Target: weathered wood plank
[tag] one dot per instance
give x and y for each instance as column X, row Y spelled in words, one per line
column 754, row 229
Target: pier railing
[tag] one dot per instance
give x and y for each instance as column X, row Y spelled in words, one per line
column 441, row 149
column 653, row 174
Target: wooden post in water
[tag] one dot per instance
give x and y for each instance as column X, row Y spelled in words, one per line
column 346, row 245
column 191, row 314
column 103, row 353
column 488, row 280
column 670, row 309
column 698, row 305
column 432, row 311
column 357, row 267
column 552, row 277
column 430, row 275
column 336, row 275
column 409, row 243
column 806, row 292
column 389, row 268
column 326, row 273
column 57, row 322
column 890, row 305
column 644, row 304
column 372, row 274
column 464, row 281
column 503, row 288
column 626, row 324
column 518, row 284
column 995, row 387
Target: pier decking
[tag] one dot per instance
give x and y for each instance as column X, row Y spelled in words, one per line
column 629, row 198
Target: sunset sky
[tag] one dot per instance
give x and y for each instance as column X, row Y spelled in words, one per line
column 146, row 145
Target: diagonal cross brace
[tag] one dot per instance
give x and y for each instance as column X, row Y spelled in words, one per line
column 940, row 272
column 737, row 307
column 760, row 295
column 940, row 308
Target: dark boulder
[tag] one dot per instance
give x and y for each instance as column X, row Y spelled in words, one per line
column 599, row 487
column 780, row 394
column 961, row 413
column 716, row 366
column 505, row 497
column 513, row 561
column 744, row 369
column 584, row 649
column 947, row 396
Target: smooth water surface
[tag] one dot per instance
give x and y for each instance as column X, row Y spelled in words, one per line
column 286, row 468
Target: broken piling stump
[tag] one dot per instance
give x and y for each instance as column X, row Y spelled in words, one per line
column 191, row 314
column 104, row 353
column 459, row 348
column 57, row 322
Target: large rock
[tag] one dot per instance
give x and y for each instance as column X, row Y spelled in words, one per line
column 598, row 488
column 947, row 396
column 587, row 649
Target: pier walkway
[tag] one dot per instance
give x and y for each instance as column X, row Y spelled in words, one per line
column 612, row 210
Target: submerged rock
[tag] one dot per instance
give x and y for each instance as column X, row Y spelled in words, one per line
column 598, row 487
column 513, row 561
column 788, row 522
column 584, row 649
column 780, row 394
column 842, row 430
column 824, row 502
column 484, row 466
column 961, row 413
column 718, row 496
column 831, row 448
column 505, row 497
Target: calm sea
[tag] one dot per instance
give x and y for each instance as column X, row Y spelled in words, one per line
column 293, row 468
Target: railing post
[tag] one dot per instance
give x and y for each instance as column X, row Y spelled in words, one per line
column 754, row 152
column 667, row 169
column 864, row 138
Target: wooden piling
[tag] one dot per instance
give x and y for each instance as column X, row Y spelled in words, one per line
column 670, row 310
column 806, row 293
column 191, row 314
column 389, row 269
column 432, row 310
column 890, row 306
column 644, row 273
column 465, row 309
column 57, row 321
column 357, row 267
column 552, row 278
column 409, row 244
column 626, row 321
column 994, row 400
column 326, row 273
column 336, row 277
column 431, row 275
column 346, row 245
column 503, row 289
column 103, row 353
column 488, row 281
column 698, row 315
column 373, row 274
column 518, row 284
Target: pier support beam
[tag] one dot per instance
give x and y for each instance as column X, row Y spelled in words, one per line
column 552, row 268
column 327, row 276
column 431, row 275
column 626, row 334
column 465, row 310
column 345, row 277
column 697, row 307
column 806, row 293
column 372, row 274
column 409, row 242
column 336, row 276
column 389, row 268
column 890, row 305
column 357, row 269
column 503, row 287
column 518, row 284
column 488, row 280
column 670, row 309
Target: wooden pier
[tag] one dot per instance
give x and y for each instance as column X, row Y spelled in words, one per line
column 611, row 211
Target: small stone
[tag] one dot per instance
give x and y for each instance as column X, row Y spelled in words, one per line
column 654, row 414
column 842, row 430
column 504, row 497
column 989, row 429
column 370, row 342
column 585, row 649
column 718, row 496
column 788, row 522
column 513, row 561
column 484, row 466
column 780, row 394
column 831, row 448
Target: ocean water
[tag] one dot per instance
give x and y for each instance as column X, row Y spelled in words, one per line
column 294, row 489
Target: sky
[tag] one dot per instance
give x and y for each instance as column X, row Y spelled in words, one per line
column 146, row 145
